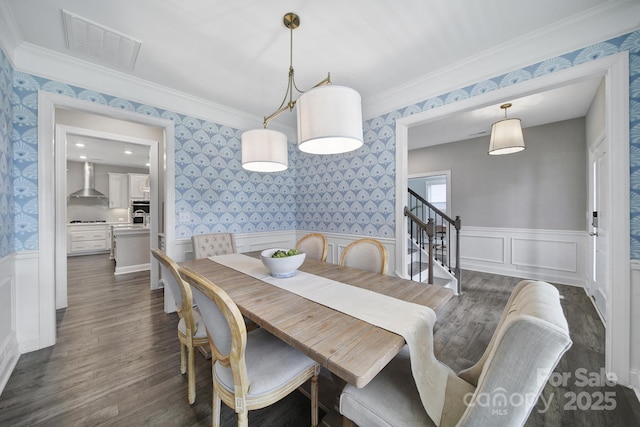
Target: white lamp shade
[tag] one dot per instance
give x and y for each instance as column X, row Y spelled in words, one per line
column 506, row 137
column 264, row 150
column 329, row 120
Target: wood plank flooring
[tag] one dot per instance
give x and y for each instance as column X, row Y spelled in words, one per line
column 116, row 361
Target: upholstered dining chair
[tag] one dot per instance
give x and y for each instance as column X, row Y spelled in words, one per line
column 249, row 370
column 501, row 389
column 191, row 330
column 365, row 254
column 206, row 245
column 314, row 245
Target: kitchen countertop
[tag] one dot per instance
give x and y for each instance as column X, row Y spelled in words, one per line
column 131, row 229
column 82, row 224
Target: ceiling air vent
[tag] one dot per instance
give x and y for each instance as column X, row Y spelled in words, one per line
column 98, row 43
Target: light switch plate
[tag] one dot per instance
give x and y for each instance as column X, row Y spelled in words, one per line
column 185, row 217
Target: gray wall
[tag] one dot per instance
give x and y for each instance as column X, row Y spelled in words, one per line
column 542, row 187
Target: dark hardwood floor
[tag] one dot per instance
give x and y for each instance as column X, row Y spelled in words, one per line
column 116, row 361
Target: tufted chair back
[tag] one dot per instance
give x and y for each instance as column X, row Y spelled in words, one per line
column 206, row 245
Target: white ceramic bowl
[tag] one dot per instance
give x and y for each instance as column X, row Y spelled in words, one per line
column 281, row 267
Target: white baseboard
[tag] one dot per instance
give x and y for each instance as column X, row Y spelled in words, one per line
column 132, row 268
column 557, row 256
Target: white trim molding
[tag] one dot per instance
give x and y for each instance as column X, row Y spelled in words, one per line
column 556, row 256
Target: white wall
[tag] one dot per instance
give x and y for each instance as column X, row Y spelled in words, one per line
column 542, row 187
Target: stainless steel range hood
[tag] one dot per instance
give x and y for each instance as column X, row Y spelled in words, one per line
column 88, row 189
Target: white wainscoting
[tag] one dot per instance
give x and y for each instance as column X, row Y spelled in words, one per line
column 9, row 349
column 28, row 302
column 557, row 256
column 337, row 242
column 635, row 327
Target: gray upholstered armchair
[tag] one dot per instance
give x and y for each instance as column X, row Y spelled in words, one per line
column 499, row 390
column 206, row 245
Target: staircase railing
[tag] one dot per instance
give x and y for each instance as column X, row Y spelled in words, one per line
column 433, row 231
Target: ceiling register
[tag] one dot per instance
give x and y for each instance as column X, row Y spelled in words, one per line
column 329, row 121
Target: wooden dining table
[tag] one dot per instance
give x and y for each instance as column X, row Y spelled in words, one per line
column 350, row 348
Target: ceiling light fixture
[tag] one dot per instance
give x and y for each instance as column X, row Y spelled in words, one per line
column 506, row 135
column 329, row 120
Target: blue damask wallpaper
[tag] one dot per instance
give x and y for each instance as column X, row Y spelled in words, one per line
column 7, row 232
column 210, row 182
column 351, row 193
column 360, row 199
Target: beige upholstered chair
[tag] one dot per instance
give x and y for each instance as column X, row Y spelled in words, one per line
column 206, row 245
column 191, row 330
column 365, row 254
column 500, row 390
column 314, row 245
column 249, row 370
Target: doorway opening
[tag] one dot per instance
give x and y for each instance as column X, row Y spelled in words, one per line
column 66, row 133
column 52, row 224
column 615, row 71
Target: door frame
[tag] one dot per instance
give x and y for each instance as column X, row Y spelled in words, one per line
column 615, row 70
column 49, row 221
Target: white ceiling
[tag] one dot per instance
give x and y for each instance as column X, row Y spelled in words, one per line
column 106, row 151
column 236, row 54
column 564, row 103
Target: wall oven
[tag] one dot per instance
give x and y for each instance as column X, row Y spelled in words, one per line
column 140, row 211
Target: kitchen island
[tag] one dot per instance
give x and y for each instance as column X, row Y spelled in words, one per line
column 131, row 249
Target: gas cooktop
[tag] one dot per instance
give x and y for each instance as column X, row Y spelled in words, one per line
column 81, row 221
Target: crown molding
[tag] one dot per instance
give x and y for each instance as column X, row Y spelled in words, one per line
column 45, row 63
column 592, row 26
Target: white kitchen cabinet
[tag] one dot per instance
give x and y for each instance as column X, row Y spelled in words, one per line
column 118, row 190
column 138, row 186
column 131, row 249
column 84, row 239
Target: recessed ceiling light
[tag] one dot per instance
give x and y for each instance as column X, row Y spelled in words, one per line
column 127, row 152
column 148, row 164
column 79, row 144
column 83, row 157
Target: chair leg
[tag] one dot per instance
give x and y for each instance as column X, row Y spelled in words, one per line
column 183, row 359
column 215, row 409
column 191, row 375
column 243, row 418
column 314, row 400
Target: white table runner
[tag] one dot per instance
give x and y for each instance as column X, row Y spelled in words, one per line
column 414, row 322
